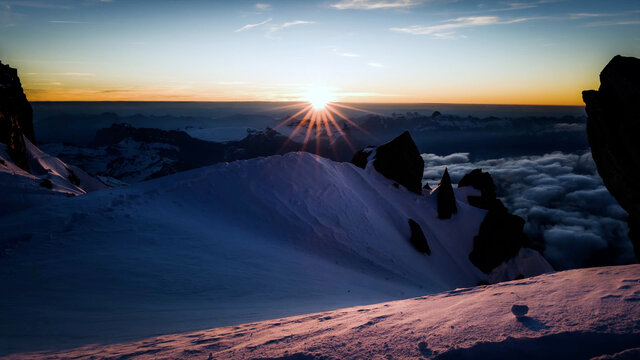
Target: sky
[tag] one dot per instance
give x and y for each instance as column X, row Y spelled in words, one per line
column 539, row 52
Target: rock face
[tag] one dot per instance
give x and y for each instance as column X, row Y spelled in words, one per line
column 613, row 130
column 446, row 199
column 16, row 116
column 501, row 234
column 484, row 182
column 398, row 160
column 418, row 240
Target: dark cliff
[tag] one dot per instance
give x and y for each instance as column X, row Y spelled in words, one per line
column 613, row 131
column 16, row 116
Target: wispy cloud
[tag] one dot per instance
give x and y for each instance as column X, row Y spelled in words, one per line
column 447, row 29
column 263, row 7
column 277, row 27
column 251, row 26
column 35, row 4
column 290, row 23
column 68, row 22
column 74, row 74
column 374, row 4
column 375, row 65
column 231, row 83
column 344, row 53
column 614, row 23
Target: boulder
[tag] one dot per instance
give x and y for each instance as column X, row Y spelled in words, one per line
column 613, row 130
column 501, row 234
column 500, row 238
column 398, row 160
column 16, row 116
column 482, row 181
column 418, row 240
column 446, row 199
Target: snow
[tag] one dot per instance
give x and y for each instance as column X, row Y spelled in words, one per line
column 578, row 314
column 227, row 244
column 20, row 190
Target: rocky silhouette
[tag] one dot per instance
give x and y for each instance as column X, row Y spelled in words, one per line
column 484, row 182
column 613, row 129
column 418, row 240
column 16, row 116
column 446, row 199
column 398, row 160
column 501, row 234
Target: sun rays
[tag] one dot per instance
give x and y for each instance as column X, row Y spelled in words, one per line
column 319, row 116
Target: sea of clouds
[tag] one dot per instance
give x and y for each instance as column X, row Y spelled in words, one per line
column 568, row 211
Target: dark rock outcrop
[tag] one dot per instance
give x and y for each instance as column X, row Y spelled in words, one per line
column 482, row 181
column 500, row 238
column 613, row 131
column 418, row 240
column 398, row 160
column 16, row 116
column 501, row 234
column 446, row 198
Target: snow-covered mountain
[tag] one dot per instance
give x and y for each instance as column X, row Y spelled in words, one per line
column 577, row 314
column 226, row 244
column 48, row 178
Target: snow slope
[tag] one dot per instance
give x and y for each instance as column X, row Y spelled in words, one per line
column 576, row 314
column 226, row 244
column 20, row 189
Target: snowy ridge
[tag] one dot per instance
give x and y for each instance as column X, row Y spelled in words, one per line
column 577, row 314
column 21, row 189
column 227, row 244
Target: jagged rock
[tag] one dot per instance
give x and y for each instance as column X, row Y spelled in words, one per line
column 613, row 129
column 426, row 187
column 360, row 158
column 398, row 160
column 500, row 238
column 16, row 116
column 46, row 183
column 482, row 181
column 501, row 234
column 418, row 240
column 446, row 199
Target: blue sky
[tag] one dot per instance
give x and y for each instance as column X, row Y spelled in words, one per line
column 524, row 52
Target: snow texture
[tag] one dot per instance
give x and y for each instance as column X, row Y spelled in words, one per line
column 227, row 244
column 20, row 190
column 578, row 314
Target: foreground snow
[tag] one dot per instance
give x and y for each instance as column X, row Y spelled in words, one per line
column 576, row 314
column 227, row 244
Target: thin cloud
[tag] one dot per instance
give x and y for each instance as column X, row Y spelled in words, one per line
column 74, row 74
column 375, row 65
column 614, row 23
column 68, row 22
column 345, row 54
column 263, row 7
column 375, row 4
column 251, row 26
column 275, row 28
column 447, row 29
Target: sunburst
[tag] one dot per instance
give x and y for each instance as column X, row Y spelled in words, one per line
column 320, row 112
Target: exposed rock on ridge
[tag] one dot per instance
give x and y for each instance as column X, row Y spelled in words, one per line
column 613, row 130
column 398, row 160
column 16, row 116
column 446, row 199
column 501, row 234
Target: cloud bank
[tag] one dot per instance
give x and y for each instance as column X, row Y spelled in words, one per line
column 567, row 208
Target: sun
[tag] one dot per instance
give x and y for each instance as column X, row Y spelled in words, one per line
column 319, row 98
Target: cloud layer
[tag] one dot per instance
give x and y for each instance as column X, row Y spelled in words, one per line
column 563, row 200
